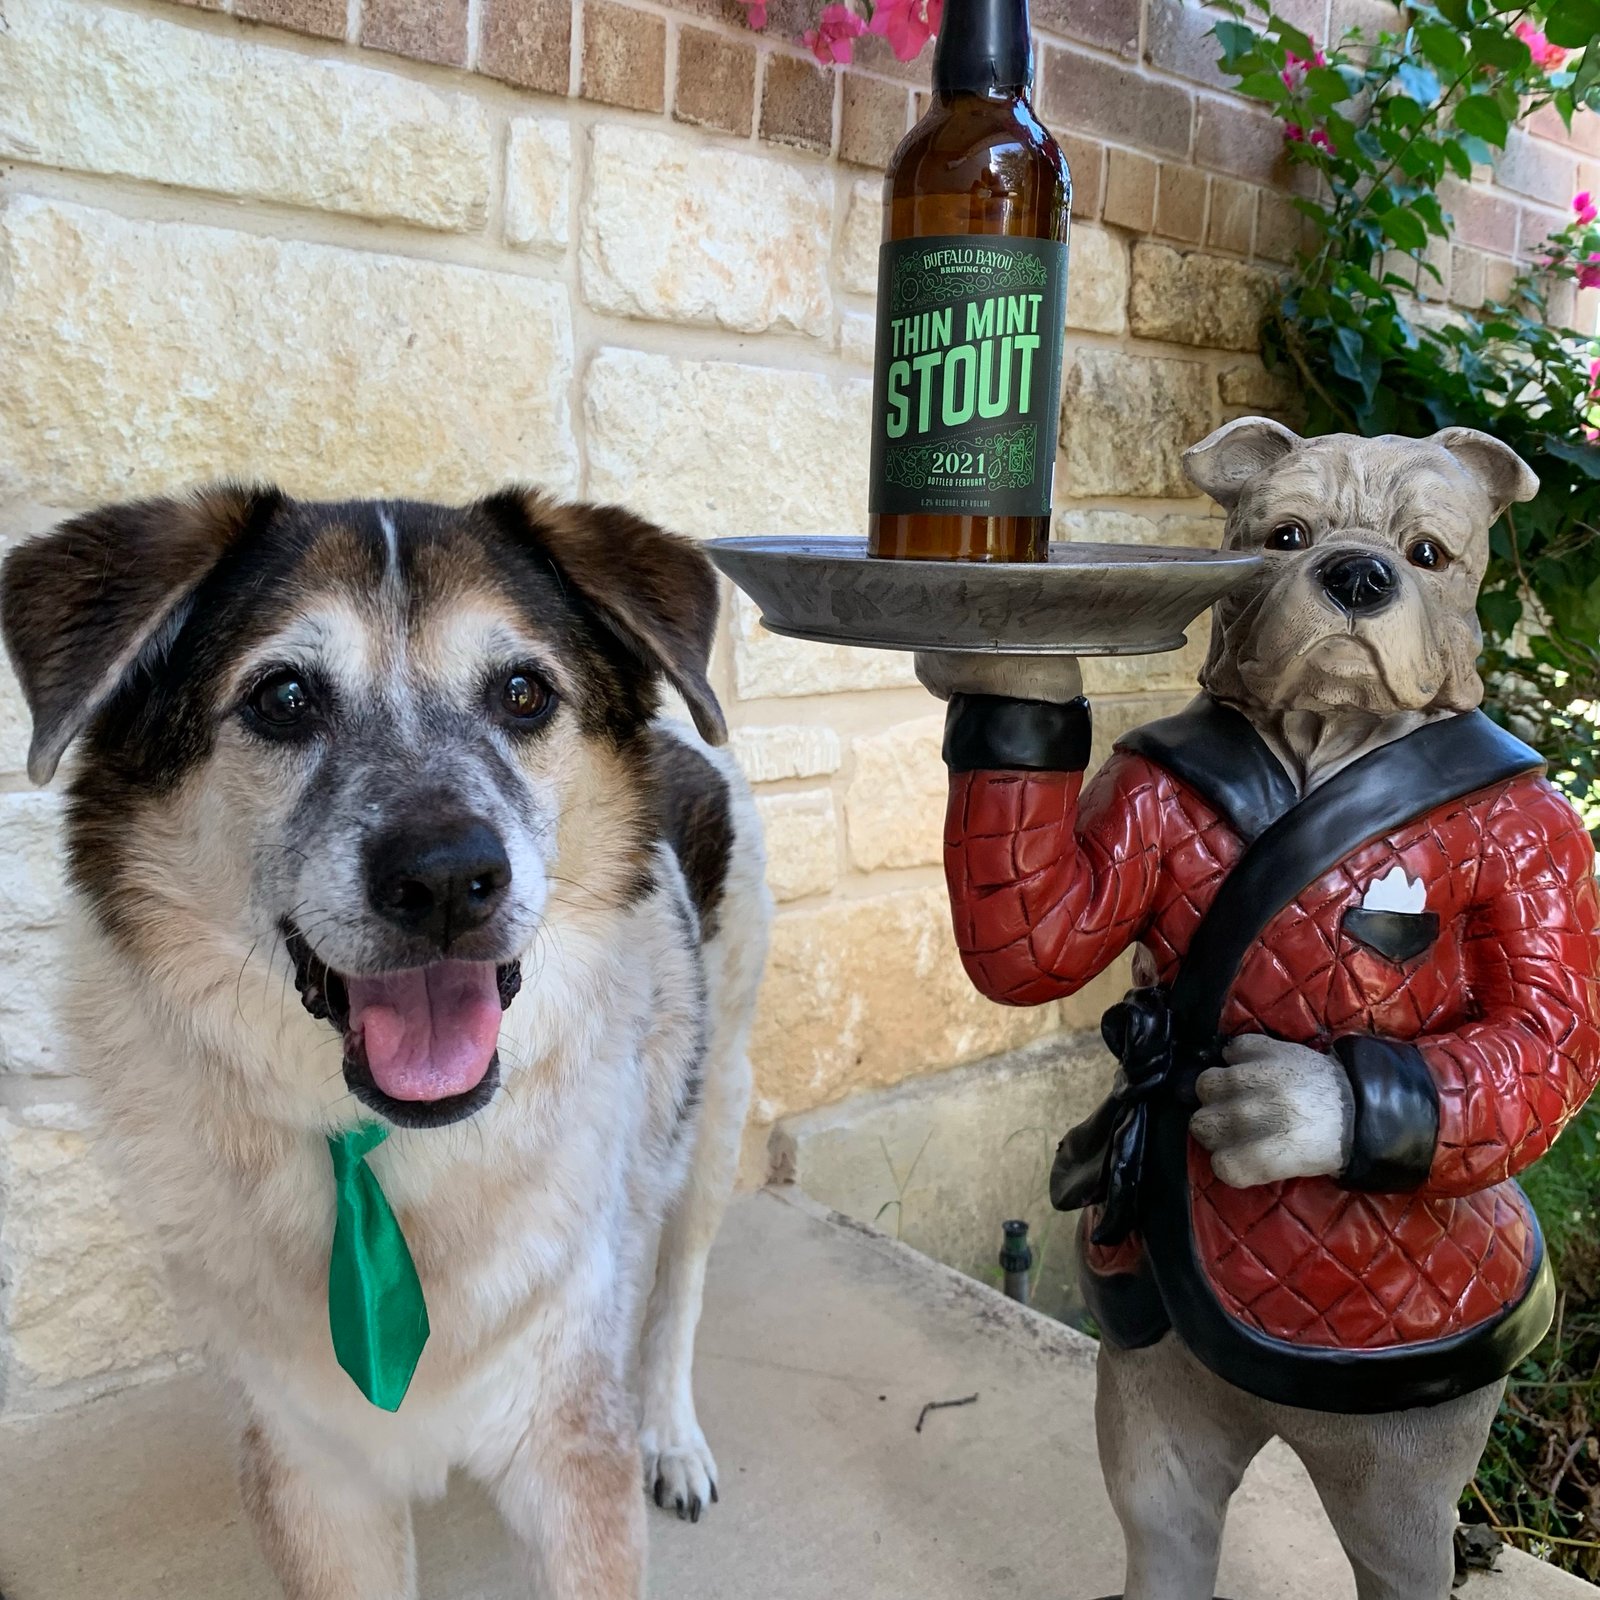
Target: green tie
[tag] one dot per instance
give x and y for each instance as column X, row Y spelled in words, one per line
column 376, row 1312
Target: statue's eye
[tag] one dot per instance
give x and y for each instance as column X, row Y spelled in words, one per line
column 1425, row 553
column 280, row 701
column 1288, row 536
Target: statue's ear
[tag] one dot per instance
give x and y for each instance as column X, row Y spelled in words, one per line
column 654, row 591
column 1224, row 461
column 85, row 606
column 1504, row 476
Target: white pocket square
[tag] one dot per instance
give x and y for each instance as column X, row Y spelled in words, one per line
column 1394, row 891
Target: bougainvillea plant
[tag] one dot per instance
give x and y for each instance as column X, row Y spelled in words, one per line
column 1380, row 125
column 907, row 25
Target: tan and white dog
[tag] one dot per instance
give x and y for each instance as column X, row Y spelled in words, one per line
column 401, row 757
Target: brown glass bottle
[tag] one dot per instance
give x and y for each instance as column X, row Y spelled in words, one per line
column 978, row 166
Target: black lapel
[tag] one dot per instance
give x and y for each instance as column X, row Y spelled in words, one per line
column 1382, row 791
column 1216, row 752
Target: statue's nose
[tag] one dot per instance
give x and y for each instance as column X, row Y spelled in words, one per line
column 1359, row 584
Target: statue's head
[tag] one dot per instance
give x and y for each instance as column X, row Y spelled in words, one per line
column 1374, row 549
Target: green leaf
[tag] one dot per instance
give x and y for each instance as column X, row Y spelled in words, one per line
column 1572, row 24
column 1501, row 611
column 1587, row 76
column 1443, row 46
column 1480, row 117
column 1476, row 150
column 1460, row 161
column 1418, row 83
column 1585, row 457
column 1494, row 45
column 1293, row 39
column 1328, row 85
column 1236, row 40
column 1265, row 86
column 1405, row 229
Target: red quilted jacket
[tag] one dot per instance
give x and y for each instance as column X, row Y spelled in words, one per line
column 1047, row 891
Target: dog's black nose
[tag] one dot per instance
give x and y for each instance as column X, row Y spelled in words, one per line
column 1359, row 583
column 439, row 879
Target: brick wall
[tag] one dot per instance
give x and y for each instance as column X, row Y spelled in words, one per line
column 420, row 247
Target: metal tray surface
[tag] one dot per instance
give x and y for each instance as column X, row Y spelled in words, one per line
column 1087, row 600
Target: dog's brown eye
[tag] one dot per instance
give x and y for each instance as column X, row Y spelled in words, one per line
column 280, row 700
column 1288, row 536
column 524, row 696
column 1425, row 553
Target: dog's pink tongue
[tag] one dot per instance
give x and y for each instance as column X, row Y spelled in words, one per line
column 430, row 1033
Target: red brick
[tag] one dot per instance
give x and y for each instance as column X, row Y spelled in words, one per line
column 1281, row 231
column 716, row 81
column 872, row 120
column 1482, row 218
column 624, row 57
column 1181, row 204
column 1537, row 224
column 786, row 19
column 1238, row 140
column 1533, row 168
column 1130, row 190
column 1086, row 161
column 797, row 104
column 1468, row 276
column 426, row 30
column 1110, row 24
column 1232, row 223
column 874, row 54
column 327, row 19
column 528, row 43
column 1091, row 95
column 1178, row 40
column 1498, row 276
column 1585, row 134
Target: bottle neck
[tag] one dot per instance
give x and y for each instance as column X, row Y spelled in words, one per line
column 984, row 48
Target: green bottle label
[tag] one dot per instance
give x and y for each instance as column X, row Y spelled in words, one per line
column 967, row 385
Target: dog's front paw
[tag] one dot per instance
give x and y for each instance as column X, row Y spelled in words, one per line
column 1276, row 1111
column 680, row 1473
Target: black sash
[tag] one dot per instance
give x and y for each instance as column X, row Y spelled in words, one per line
column 1131, row 1156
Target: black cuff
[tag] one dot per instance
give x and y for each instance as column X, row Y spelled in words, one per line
column 1397, row 1115
column 989, row 733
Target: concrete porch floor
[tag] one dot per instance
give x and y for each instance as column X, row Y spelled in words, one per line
column 821, row 1344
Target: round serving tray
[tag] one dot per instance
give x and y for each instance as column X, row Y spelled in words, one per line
column 1087, row 600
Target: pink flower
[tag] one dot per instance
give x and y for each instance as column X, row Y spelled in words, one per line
column 1321, row 140
column 831, row 41
column 1591, row 435
column 1294, row 133
column 755, row 13
column 1296, row 68
column 1583, row 204
column 907, row 24
column 1546, row 56
column 1589, row 271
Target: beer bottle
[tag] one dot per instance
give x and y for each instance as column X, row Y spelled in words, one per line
column 972, row 286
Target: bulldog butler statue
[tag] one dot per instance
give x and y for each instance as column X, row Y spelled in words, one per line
column 1368, row 938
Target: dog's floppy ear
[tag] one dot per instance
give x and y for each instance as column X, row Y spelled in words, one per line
column 653, row 590
column 1504, row 475
column 85, row 605
column 1224, row 461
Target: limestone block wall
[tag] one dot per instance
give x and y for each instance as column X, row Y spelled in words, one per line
column 626, row 251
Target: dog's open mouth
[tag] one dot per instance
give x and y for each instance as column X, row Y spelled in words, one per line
column 421, row 1047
